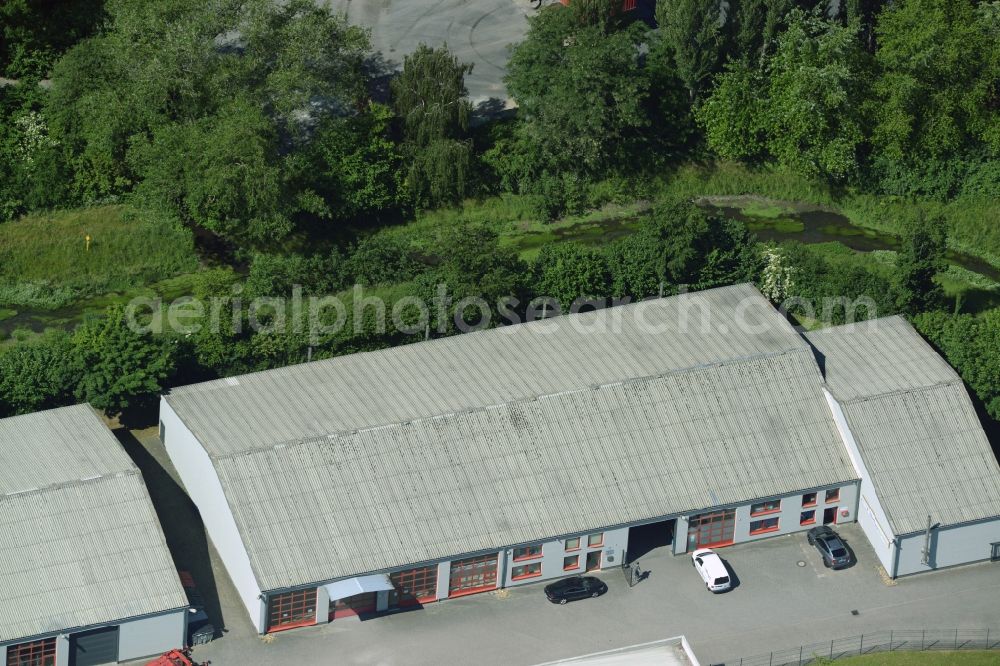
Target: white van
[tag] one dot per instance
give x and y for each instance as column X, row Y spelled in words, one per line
column 709, row 565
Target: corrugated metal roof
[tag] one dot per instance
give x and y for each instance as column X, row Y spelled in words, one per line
column 914, row 423
column 384, row 497
column 877, row 356
column 489, row 367
column 57, row 446
column 80, row 543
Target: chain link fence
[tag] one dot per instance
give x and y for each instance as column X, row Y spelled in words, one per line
column 897, row 640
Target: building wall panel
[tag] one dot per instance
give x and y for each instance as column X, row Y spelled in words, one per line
column 151, row 635
column 203, row 487
column 612, row 549
column 444, row 577
column 871, row 515
column 950, row 546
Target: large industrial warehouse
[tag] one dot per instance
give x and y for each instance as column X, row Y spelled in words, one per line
column 409, row 475
column 85, row 573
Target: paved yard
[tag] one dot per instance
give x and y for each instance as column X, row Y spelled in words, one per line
column 477, row 31
column 777, row 604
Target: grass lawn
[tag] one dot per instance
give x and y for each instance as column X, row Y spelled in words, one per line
column 971, row 658
column 45, row 263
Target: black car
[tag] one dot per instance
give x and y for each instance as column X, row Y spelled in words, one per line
column 577, row 587
column 829, row 544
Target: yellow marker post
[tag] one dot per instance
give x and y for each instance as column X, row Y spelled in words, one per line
column 87, row 238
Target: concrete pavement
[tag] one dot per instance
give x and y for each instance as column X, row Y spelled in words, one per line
column 477, row 31
column 777, row 604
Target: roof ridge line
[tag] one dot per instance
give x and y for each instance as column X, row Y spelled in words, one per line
column 190, row 388
column 71, row 483
column 593, row 387
column 900, row 391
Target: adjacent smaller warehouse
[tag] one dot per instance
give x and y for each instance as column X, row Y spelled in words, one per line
column 85, row 574
column 930, row 484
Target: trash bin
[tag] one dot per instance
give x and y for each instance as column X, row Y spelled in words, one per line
column 203, row 634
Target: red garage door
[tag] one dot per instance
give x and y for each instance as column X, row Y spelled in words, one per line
column 475, row 574
column 707, row 530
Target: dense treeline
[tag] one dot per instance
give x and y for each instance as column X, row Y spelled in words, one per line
column 256, row 120
column 268, row 127
column 34, row 33
column 259, row 324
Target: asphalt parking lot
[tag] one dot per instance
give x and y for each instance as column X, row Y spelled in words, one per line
column 777, row 604
column 477, row 32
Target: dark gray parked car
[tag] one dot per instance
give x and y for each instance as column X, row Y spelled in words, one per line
column 577, row 587
column 835, row 553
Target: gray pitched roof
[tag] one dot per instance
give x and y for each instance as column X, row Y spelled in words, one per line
column 374, row 461
column 914, row 424
column 80, row 543
column 479, row 369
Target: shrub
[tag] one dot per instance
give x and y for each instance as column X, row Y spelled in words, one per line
column 569, row 271
column 276, row 275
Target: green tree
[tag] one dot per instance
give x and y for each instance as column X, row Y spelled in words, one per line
column 118, row 366
column 634, row 263
column 32, row 173
column 568, row 271
column 921, row 258
column 693, row 29
column 222, row 173
column 681, row 244
column 211, row 103
column 431, row 100
column 37, row 375
column 972, row 346
column 816, row 77
column 34, row 32
column 472, row 264
column 581, row 92
column 382, row 258
column 938, row 89
column 830, row 282
column 802, row 109
column 354, row 166
column 757, row 24
column 732, row 117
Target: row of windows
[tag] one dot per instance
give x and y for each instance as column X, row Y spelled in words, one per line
column 808, row 500
column 535, row 551
column 570, row 563
column 593, row 541
column 807, row 517
column 526, row 571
